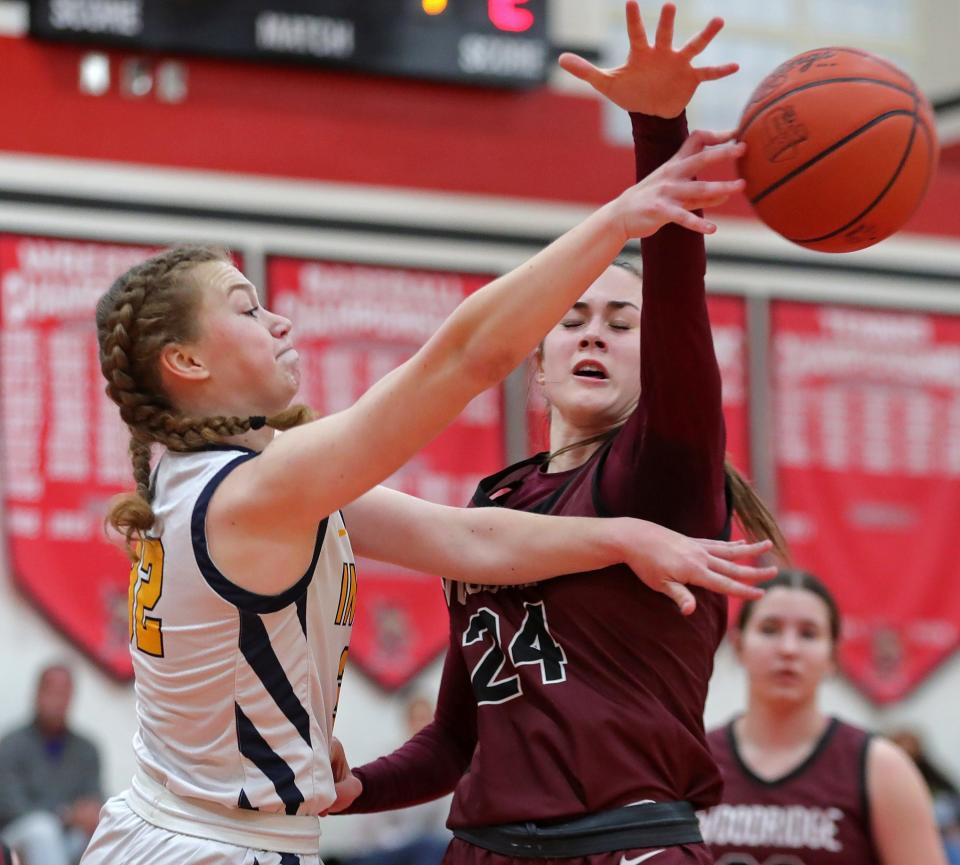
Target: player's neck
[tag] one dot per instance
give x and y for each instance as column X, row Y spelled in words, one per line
column 773, row 725
column 562, row 435
column 255, row 440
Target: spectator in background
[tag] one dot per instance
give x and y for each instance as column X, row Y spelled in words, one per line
column 50, row 793
column 7, row 856
column 409, row 836
column 946, row 797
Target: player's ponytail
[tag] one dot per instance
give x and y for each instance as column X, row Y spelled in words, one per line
column 752, row 514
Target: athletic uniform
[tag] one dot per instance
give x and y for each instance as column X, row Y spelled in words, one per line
column 564, row 701
column 236, row 692
column 817, row 814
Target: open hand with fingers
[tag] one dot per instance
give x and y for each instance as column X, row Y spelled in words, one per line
column 672, row 192
column 655, row 79
column 669, row 562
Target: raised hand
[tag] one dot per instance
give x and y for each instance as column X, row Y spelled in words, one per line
column 669, row 562
column 672, row 192
column 655, row 79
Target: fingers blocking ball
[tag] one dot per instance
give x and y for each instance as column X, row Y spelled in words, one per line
column 841, row 146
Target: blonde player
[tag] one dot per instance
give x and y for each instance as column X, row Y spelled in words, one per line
column 244, row 586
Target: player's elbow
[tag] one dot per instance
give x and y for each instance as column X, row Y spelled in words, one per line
column 486, row 365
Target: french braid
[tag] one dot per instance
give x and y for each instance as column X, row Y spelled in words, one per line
column 151, row 305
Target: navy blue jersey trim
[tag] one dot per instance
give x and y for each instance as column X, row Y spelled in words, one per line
column 256, row 648
column 302, row 612
column 211, row 446
column 244, row 802
column 289, row 859
column 255, row 748
column 241, row 598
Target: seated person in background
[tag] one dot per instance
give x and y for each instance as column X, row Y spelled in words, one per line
column 49, row 779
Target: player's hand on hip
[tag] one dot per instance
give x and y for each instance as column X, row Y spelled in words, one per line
column 346, row 785
column 655, row 79
column 673, row 192
column 669, row 562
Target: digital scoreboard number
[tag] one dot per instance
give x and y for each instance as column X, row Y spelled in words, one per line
column 489, row 42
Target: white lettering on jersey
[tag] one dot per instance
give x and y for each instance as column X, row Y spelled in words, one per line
column 792, row 826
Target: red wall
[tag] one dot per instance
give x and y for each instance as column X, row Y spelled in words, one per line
column 309, row 123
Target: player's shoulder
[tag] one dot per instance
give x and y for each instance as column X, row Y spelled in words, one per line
column 718, row 738
column 846, row 735
column 887, row 758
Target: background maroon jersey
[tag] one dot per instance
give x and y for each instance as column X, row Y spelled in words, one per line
column 586, row 692
column 817, row 814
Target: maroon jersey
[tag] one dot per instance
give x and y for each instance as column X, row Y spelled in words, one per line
column 817, row 814
column 586, row 692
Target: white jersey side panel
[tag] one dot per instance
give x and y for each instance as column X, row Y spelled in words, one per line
column 236, row 692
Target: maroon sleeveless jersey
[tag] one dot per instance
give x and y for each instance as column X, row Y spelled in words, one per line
column 817, row 814
column 586, row 692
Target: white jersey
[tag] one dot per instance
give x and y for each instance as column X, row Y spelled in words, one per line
column 236, row 692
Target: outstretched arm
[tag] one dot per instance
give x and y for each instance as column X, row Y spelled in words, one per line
column 276, row 500
column 431, row 763
column 503, row 546
column 675, row 440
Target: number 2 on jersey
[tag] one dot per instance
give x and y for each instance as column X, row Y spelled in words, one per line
column 532, row 644
column 146, row 584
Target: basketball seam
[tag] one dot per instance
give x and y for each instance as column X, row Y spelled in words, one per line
column 852, row 79
column 832, row 148
column 880, row 60
column 883, row 192
column 810, row 85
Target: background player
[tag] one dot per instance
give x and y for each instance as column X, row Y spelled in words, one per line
column 800, row 786
column 571, row 700
column 243, row 595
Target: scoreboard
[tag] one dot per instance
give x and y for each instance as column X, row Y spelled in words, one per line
column 489, row 42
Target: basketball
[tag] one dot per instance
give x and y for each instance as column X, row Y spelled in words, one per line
column 841, row 146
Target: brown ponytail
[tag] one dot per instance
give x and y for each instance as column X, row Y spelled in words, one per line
column 752, row 514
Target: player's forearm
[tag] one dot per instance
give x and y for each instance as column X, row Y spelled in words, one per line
column 426, row 767
column 680, row 378
column 431, row 763
column 497, row 546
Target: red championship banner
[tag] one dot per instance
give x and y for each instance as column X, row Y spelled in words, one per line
column 64, row 446
column 352, row 325
column 728, row 320
column 867, row 426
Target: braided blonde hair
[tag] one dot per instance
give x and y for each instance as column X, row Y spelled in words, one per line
column 152, row 305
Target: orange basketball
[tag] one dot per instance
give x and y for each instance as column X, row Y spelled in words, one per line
column 840, row 149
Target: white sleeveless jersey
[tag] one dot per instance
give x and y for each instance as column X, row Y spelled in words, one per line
column 236, row 692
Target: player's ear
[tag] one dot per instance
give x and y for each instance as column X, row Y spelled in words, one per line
column 181, row 363
column 538, row 360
